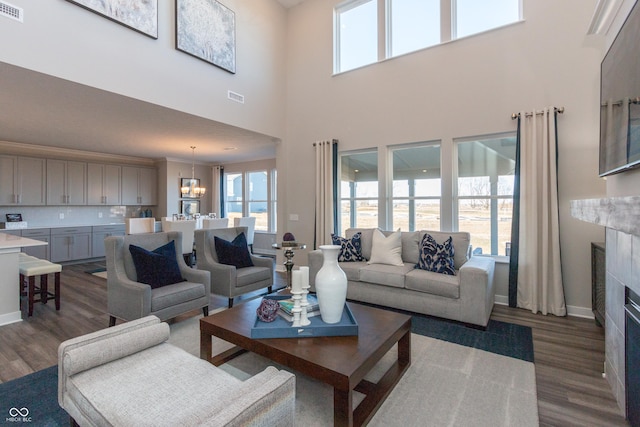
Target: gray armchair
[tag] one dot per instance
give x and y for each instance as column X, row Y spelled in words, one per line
column 127, row 299
column 228, row 280
column 130, row 375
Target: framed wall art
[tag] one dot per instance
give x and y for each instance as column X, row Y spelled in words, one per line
column 139, row 15
column 189, row 207
column 206, row 29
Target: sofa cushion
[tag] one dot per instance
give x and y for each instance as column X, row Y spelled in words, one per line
column 461, row 242
column 433, row 283
column 411, row 246
column 158, row 267
column 436, row 257
column 384, row 274
column 350, row 249
column 386, row 249
column 251, row 275
column 352, row 269
column 234, row 253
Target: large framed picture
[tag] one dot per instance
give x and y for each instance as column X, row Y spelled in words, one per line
column 139, row 15
column 189, row 207
column 206, row 29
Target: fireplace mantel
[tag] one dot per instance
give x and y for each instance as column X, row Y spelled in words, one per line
column 619, row 213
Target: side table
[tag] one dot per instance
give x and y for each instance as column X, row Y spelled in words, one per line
column 288, row 254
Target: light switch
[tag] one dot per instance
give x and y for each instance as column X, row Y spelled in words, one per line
column 293, row 217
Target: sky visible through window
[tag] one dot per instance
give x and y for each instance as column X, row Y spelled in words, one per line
column 414, row 25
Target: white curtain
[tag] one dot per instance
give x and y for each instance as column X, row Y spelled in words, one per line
column 215, row 191
column 323, row 191
column 540, row 286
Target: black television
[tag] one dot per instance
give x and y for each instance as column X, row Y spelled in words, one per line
column 620, row 99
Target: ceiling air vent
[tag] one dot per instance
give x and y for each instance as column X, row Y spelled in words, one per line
column 11, row 11
column 235, row 97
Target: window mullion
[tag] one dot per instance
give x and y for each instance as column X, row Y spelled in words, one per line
column 447, row 15
column 383, row 47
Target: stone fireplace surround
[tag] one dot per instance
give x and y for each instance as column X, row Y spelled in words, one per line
column 621, row 217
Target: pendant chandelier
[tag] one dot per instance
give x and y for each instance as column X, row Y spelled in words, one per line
column 193, row 189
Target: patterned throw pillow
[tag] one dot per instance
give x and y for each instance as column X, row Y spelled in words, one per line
column 351, row 249
column 435, row 257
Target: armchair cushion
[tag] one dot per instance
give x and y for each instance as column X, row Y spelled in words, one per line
column 234, row 253
column 156, row 268
column 436, row 257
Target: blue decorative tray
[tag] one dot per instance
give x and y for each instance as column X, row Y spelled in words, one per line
column 280, row 328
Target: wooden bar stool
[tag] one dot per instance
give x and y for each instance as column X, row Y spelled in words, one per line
column 32, row 268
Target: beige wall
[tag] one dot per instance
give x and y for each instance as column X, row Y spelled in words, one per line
column 464, row 88
column 64, row 40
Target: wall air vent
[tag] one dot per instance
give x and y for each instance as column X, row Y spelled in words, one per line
column 235, row 97
column 11, row 11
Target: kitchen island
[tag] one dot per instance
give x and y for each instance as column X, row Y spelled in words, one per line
column 10, row 247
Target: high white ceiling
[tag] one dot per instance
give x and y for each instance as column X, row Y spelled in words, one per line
column 39, row 109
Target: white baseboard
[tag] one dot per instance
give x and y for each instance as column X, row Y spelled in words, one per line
column 8, row 318
column 572, row 310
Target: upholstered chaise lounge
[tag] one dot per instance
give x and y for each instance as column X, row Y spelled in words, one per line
column 128, row 375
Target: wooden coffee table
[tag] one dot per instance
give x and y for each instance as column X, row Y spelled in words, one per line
column 341, row 362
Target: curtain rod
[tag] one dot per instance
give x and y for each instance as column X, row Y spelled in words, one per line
column 557, row 110
column 622, row 101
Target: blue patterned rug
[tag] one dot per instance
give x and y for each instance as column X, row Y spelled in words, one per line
column 32, row 400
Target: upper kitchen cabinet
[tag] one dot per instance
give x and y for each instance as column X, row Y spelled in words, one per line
column 139, row 186
column 23, row 181
column 66, row 182
column 103, row 184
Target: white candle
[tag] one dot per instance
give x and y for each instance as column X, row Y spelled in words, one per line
column 305, row 276
column 296, row 281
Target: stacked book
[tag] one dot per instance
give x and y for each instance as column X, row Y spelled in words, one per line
column 286, row 305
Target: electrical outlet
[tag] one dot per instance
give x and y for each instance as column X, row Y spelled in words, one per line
column 61, row 215
column 99, row 214
column 293, row 217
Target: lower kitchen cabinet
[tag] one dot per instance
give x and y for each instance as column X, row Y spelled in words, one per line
column 42, row 234
column 100, row 232
column 70, row 243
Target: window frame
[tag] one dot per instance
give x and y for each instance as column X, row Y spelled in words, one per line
column 245, row 202
column 354, row 200
column 497, row 197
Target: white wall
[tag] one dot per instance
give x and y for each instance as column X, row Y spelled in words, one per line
column 64, row 40
column 464, row 88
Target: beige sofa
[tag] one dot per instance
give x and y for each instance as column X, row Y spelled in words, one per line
column 466, row 297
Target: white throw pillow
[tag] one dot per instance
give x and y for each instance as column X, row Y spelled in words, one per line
column 386, row 250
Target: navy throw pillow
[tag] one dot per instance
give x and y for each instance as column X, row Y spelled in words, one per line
column 234, row 253
column 351, row 249
column 156, row 268
column 435, row 257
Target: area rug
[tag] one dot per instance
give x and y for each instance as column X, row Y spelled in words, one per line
column 447, row 384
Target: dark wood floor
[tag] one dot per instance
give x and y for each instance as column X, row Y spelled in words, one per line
column 569, row 352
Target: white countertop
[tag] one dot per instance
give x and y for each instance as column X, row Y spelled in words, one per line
column 9, row 241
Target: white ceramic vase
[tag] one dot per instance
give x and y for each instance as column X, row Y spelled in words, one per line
column 331, row 285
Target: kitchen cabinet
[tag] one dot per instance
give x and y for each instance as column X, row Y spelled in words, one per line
column 139, row 186
column 23, row 181
column 42, row 234
column 103, row 184
column 70, row 243
column 66, row 182
column 100, row 232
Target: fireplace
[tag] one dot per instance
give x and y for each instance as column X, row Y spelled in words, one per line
column 632, row 357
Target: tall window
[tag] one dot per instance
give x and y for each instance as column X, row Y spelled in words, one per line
column 486, row 168
column 412, row 25
column 233, row 195
column 473, row 16
column 409, row 25
column 416, row 191
column 358, row 190
column 252, row 193
column 356, row 40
